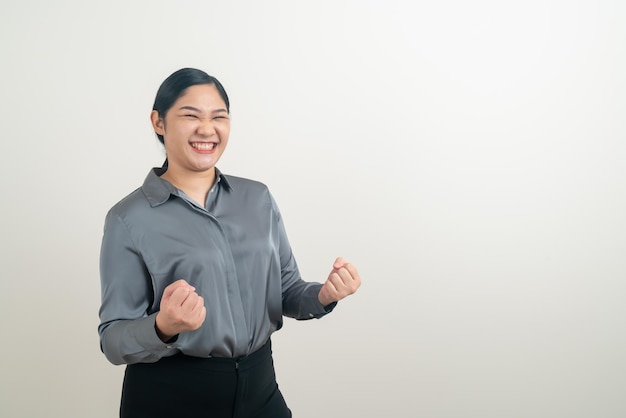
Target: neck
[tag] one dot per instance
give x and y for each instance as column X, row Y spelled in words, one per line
column 195, row 185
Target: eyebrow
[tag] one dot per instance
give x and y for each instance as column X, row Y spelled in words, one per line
column 195, row 109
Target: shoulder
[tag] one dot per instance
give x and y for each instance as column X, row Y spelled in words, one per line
column 133, row 204
column 151, row 193
column 248, row 191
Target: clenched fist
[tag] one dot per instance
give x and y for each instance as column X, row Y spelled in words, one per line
column 342, row 281
column 182, row 309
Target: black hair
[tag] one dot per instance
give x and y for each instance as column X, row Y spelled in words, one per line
column 175, row 86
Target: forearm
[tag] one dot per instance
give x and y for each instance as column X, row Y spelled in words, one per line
column 301, row 301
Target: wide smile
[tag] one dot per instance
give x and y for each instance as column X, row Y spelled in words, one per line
column 204, row 147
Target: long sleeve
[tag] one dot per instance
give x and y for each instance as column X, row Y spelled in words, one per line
column 300, row 298
column 234, row 252
column 127, row 333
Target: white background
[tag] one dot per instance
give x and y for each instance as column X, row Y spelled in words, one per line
column 467, row 156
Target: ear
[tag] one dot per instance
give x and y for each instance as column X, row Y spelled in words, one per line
column 157, row 123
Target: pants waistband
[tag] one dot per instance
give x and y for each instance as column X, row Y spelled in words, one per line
column 221, row 363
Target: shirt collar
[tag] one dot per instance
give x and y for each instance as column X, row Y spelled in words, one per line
column 222, row 179
column 158, row 191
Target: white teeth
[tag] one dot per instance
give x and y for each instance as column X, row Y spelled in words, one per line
column 203, row 146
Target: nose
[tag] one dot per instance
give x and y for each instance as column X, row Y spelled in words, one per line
column 206, row 127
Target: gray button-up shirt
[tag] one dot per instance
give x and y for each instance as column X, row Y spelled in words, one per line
column 234, row 251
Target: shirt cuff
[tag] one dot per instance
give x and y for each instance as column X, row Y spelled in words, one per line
column 311, row 307
column 146, row 335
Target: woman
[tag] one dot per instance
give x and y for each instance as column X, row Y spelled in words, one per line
column 197, row 273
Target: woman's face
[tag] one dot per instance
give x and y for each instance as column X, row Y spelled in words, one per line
column 195, row 129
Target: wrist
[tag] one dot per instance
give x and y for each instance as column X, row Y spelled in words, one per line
column 161, row 331
column 323, row 298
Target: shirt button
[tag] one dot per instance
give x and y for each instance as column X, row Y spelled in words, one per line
column 311, row 315
column 169, row 346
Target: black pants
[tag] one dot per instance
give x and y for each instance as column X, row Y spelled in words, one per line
column 191, row 387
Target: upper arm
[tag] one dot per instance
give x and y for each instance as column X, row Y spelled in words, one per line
column 125, row 281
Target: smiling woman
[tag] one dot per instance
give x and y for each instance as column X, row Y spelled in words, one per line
column 197, row 273
column 196, row 125
column 197, row 129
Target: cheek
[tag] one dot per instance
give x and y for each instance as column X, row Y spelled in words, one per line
column 224, row 132
column 180, row 132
